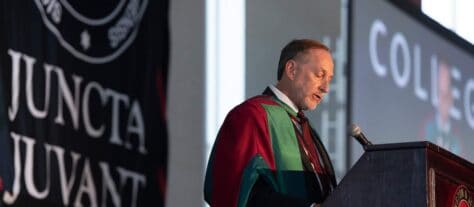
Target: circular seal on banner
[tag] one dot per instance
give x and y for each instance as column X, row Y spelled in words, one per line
column 95, row 37
column 462, row 197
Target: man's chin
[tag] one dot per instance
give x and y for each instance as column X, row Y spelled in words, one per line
column 311, row 107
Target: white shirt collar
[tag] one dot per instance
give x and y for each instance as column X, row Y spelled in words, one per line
column 280, row 95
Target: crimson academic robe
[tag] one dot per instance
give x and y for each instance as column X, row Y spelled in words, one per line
column 257, row 141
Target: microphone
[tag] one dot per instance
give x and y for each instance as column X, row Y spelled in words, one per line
column 356, row 132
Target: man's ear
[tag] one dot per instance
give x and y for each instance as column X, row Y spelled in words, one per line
column 290, row 69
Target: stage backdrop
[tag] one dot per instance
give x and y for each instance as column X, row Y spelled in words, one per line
column 409, row 83
column 82, row 102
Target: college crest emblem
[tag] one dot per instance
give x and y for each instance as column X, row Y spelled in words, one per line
column 462, row 197
column 93, row 36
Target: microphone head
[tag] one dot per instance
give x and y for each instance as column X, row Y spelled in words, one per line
column 355, row 130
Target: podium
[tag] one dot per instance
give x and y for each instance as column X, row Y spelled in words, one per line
column 406, row 174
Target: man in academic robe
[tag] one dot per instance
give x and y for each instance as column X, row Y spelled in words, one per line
column 266, row 153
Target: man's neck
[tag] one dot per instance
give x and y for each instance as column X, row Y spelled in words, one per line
column 283, row 97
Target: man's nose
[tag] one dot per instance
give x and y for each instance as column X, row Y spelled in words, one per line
column 324, row 86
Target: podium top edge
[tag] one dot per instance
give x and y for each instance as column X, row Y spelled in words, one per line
column 404, row 145
column 419, row 145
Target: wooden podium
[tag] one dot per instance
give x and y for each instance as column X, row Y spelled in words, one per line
column 406, row 174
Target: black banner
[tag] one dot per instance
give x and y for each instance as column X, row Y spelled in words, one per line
column 82, row 102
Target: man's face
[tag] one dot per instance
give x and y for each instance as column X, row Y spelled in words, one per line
column 445, row 98
column 310, row 79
